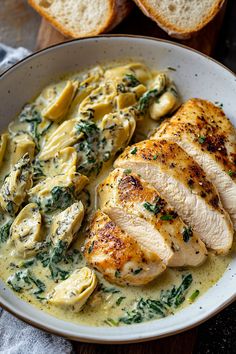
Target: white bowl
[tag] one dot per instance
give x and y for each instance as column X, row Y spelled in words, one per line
column 196, row 75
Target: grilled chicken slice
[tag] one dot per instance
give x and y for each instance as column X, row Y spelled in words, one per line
column 206, row 134
column 117, row 255
column 137, row 208
column 182, row 182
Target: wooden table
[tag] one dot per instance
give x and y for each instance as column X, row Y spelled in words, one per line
column 21, row 26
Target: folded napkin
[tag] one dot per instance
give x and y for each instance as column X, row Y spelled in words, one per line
column 17, row 337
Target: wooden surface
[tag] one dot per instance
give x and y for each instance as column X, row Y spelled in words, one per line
column 205, row 41
column 180, row 344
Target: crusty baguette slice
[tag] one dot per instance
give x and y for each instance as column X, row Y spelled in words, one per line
column 82, row 18
column 182, row 18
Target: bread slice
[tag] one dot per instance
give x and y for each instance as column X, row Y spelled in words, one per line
column 182, row 18
column 82, row 18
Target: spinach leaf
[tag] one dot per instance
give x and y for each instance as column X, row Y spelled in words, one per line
column 5, row 231
column 146, row 100
column 24, row 279
column 131, row 80
column 60, row 198
column 176, row 296
column 146, row 309
column 51, row 259
column 31, row 115
column 89, row 148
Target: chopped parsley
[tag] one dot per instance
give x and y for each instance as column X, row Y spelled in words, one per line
column 187, row 233
column 194, row 295
column 127, row 171
column 168, row 217
column 91, row 247
column 117, row 273
column 111, row 290
column 119, row 300
column 231, row 173
column 154, row 208
column 137, row 271
column 110, row 322
column 201, row 139
column 134, row 151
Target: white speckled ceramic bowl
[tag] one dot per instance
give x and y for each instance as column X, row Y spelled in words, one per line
column 196, row 76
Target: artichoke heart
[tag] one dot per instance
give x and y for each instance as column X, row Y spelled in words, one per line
column 125, row 100
column 25, row 230
column 21, row 144
column 57, row 192
column 63, row 162
column 166, row 103
column 100, row 101
column 117, row 129
column 16, row 185
column 65, row 135
column 74, row 291
column 137, row 70
column 3, row 145
column 58, row 109
column 66, row 224
column 160, row 82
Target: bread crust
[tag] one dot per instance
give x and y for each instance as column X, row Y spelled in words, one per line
column 118, row 10
column 170, row 28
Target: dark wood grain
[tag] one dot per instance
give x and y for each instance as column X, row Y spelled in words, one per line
column 182, row 343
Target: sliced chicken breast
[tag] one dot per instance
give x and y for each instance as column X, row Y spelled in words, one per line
column 206, row 134
column 137, row 208
column 183, row 184
column 117, row 255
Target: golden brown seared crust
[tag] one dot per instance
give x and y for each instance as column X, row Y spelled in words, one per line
column 170, row 28
column 117, row 255
column 118, row 10
column 133, row 190
column 137, row 197
column 208, row 128
column 173, row 160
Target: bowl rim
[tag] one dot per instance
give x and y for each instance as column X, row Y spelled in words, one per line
column 89, row 338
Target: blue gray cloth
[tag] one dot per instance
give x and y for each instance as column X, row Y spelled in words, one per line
column 10, row 56
column 17, row 337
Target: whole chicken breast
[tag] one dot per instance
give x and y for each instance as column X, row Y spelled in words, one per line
column 183, row 184
column 206, row 134
column 117, row 255
column 137, row 208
